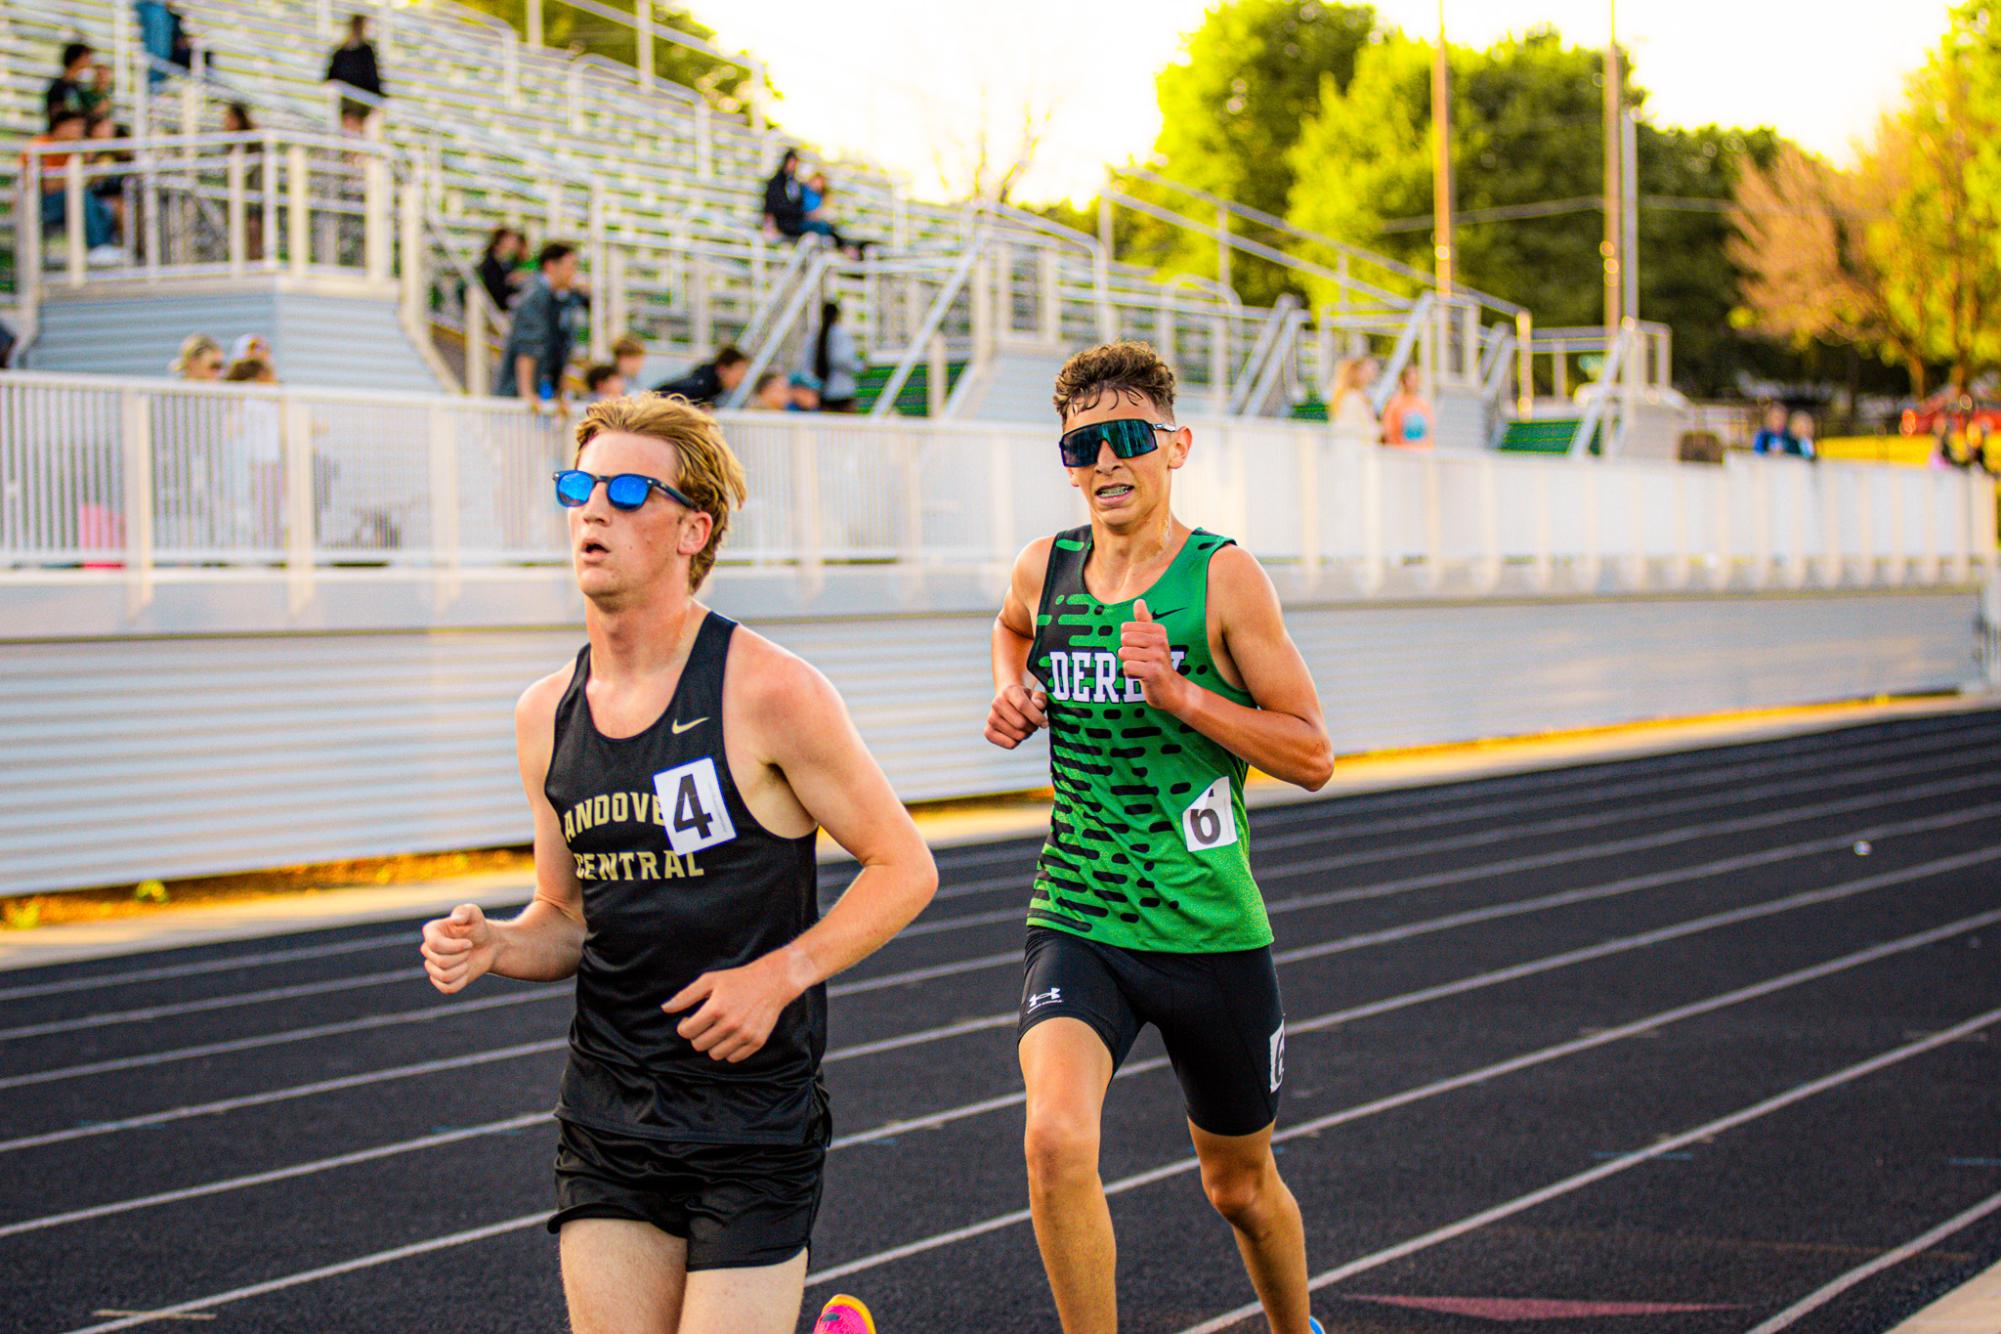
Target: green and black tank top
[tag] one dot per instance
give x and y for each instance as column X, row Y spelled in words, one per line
column 1148, row 846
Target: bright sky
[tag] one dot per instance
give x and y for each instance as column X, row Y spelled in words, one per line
column 898, row 82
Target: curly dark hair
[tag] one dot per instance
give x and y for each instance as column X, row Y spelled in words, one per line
column 1126, row 367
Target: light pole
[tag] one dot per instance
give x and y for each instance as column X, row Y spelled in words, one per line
column 1441, row 170
column 1614, row 138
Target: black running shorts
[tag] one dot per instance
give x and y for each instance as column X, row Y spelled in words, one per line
column 737, row 1205
column 1219, row 1015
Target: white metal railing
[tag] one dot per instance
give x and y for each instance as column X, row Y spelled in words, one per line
column 100, row 472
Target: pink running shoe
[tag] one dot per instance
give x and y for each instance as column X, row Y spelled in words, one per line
column 844, row 1315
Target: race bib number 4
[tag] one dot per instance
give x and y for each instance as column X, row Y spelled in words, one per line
column 1209, row 822
column 691, row 807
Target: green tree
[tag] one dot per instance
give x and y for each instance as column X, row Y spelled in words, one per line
column 1898, row 257
column 726, row 84
column 1937, row 250
column 1230, row 109
column 1528, row 155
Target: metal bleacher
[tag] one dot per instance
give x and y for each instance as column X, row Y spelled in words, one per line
column 956, row 306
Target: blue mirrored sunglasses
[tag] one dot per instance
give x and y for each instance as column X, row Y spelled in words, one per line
column 1129, row 437
column 626, row 491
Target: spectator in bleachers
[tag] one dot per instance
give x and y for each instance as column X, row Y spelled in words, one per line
column 109, row 186
column 836, row 361
column 544, row 331
column 1773, row 438
column 164, row 37
column 1352, row 411
column 253, row 347
column 1407, row 418
column 1800, row 427
column 78, row 87
column 236, row 119
column 603, row 381
column 771, row 394
column 67, row 127
column 255, row 479
column 784, row 203
column 500, row 271
column 353, row 63
column 786, row 212
column 712, row 381
column 628, row 354
column 158, row 26
column 200, row 359
column 804, row 387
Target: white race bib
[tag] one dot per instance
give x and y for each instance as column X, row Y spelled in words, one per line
column 1210, row 822
column 692, row 808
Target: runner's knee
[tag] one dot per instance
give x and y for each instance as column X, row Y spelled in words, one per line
column 1236, row 1192
column 1059, row 1145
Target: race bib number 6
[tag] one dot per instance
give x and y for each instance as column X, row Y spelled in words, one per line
column 1209, row 822
column 692, row 808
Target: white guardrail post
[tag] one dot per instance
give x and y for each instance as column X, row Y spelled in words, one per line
column 135, row 411
column 446, row 541
column 300, row 517
column 1393, row 522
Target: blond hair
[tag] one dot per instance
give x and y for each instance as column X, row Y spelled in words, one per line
column 1349, row 376
column 194, row 345
column 706, row 469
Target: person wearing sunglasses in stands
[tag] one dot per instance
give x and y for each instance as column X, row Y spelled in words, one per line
column 1157, row 657
column 679, row 771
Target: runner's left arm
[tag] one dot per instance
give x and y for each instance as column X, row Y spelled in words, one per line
column 1285, row 734
column 830, row 771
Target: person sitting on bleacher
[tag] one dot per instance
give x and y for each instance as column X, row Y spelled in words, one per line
column 544, row 332
column 67, row 127
column 772, row 394
column 82, row 87
column 786, row 211
column 712, row 381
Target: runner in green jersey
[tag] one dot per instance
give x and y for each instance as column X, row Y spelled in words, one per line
column 1157, row 658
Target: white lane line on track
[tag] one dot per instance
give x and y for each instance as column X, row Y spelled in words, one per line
column 260, row 959
column 509, row 1053
column 1181, row 1166
column 1722, row 1124
column 298, row 991
column 1533, row 862
column 1541, row 782
column 961, row 922
column 444, row 1010
column 411, row 1251
column 1816, row 782
column 1543, row 1056
column 947, row 1116
column 1264, row 839
column 1896, row 1255
column 1385, row 936
column 1269, row 833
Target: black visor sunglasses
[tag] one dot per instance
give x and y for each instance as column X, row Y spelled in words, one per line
column 1129, row 437
column 627, row 491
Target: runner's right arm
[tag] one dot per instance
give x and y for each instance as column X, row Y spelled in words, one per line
column 546, row 942
column 1018, row 709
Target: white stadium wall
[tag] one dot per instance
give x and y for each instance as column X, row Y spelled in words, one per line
column 220, row 734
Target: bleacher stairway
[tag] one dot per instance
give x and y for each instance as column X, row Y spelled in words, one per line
column 338, row 342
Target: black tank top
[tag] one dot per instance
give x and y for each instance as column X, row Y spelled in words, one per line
column 679, row 879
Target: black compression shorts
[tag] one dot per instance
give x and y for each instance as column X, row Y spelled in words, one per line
column 1219, row 1014
column 737, row 1205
